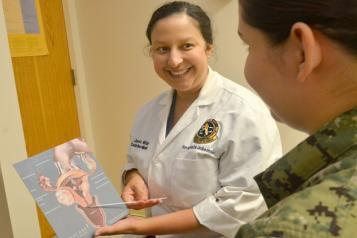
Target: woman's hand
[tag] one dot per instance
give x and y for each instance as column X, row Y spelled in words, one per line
column 124, row 226
column 136, row 192
column 172, row 223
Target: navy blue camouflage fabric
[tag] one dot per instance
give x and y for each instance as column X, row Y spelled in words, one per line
column 312, row 190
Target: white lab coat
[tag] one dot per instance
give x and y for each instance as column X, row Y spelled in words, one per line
column 214, row 178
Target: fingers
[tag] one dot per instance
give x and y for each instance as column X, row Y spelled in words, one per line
column 103, row 231
column 134, row 191
column 139, row 189
column 136, row 206
column 144, row 204
column 128, row 195
column 135, row 201
column 124, row 226
column 141, row 193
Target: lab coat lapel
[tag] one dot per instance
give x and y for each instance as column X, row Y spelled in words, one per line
column 165, row 103
column 187, row 118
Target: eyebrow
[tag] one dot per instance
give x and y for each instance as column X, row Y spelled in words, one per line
column 158, row 42
column 181, row 40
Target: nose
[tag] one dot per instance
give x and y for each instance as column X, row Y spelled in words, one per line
column 174, row 58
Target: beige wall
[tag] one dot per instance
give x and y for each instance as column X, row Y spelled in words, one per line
column 117, row 75
column 18, row 217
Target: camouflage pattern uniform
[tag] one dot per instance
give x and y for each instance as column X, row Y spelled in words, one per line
column 312, row 190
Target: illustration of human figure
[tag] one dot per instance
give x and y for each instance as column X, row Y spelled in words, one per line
column 72, row 186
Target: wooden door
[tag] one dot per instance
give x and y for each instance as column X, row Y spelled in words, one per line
column 46, row 93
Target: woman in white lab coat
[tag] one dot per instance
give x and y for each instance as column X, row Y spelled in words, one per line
column 199, row 144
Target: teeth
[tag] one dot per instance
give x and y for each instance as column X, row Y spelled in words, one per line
column 177, row 73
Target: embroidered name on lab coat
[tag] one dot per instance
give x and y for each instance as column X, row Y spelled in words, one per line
column 207, row 133
column 140, row 144
column 195, row 147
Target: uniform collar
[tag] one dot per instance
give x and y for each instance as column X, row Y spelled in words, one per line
column 318, row 151
column 207, row 94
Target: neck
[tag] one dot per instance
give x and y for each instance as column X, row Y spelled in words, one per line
column 330, row 100
column 321, row 117
column 187, row 96
column 332, row 88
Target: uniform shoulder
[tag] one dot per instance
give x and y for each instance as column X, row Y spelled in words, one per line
column 326, row 209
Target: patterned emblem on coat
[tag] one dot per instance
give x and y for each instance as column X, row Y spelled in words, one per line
column 207, row 133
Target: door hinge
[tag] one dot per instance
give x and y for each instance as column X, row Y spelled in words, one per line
column 73, row 77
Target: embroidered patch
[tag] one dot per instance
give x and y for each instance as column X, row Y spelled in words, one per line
column 140, row 144
column 207, row 133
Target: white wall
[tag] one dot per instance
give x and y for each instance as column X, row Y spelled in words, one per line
column 118, row 75
column 18, row 215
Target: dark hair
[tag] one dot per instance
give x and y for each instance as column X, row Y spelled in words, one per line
column 337, row 19
column 190, row 9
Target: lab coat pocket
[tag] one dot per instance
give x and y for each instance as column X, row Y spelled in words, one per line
column 193, row 180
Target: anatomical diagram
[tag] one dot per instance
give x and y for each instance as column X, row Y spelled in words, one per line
column 72, row 185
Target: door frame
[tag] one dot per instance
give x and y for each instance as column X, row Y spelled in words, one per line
column 77, row 63
column 21, row 206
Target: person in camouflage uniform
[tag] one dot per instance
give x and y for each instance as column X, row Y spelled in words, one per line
column 303, row 62
column 312, row 190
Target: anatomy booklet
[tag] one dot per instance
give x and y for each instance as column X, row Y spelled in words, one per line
column 69, row 186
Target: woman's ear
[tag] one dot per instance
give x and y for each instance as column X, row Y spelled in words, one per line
column 149, row 50
column 310, row 51
column 209, row 50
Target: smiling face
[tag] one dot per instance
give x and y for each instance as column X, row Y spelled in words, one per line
column 180, row 53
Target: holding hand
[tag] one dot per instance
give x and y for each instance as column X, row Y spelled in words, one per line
column 136, row 192
column 125, row 226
